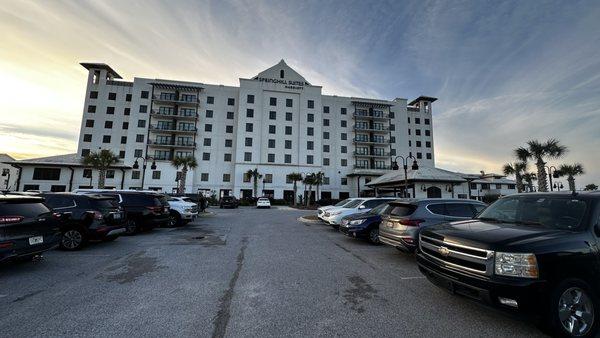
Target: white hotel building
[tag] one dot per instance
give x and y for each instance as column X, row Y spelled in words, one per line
column 276, row 122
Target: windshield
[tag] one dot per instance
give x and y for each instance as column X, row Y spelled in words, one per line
column 553, row 212
column 353, row 204
column 340, row 203
column 379, row 210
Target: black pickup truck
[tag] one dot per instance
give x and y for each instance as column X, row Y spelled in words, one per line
column 535, row 253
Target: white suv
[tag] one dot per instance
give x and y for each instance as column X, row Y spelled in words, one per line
column 183, row 210
column 358, row 205
column 321, row 210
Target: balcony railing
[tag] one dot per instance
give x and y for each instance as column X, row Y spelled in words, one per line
column 172, row 129
column 174, row 99
column 381, row 167
column 370, row 129
column 371, row 140
column 368, row 116
column 172, row 115
column 361, row 154
column 162, row 158
column 172, row 144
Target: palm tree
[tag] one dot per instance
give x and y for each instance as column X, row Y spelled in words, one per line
column 591, row 187
column 529, row 178
column 570, row 170
column 186, row 162
column 310, row 181
column 517, row 169
column 100, row 160
column 537, row 151
column 318, row 181
column 295, row 177
column 255, row 175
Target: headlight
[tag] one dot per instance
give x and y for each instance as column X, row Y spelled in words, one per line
column 516, row 265
column 336, row 213
column 357, row 222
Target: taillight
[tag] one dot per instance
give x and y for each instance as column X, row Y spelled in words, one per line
column 411, row 222
column 6, row 245
column 98, row 215
column 56, row 215
column 155, row 209
column 10, row 219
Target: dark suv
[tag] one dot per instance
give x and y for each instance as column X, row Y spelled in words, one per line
column 537, row 253
column 27, row 227
column 92, row 217
column 143, row 210
column 229, row 202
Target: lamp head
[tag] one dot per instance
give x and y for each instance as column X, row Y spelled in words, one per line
column 395, row 165
column 135, row 165
column 415, row 166
column 153, row 166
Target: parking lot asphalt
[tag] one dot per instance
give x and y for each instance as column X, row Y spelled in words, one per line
column 241, row 272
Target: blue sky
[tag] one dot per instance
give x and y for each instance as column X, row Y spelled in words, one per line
column 504, row 71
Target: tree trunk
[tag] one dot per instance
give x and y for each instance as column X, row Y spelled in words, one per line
column 101, row 178
column 255, row 186
column 295, row 192
column 571, row 181
column 519, row 180
column 309, row 197
column 541, row 176
column 182, row 179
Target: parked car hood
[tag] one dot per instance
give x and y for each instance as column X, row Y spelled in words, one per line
column 364, row 215
column 497, row 236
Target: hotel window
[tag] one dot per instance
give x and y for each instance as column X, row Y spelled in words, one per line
column 427, row 121
column 127, row 111
column 231, row 101
column 143, row 109
column 288, row 130
column 344, row 123
column 138, row 153
column 289, row 102
column 429, row 156
column 485, row 186
column 419, row 155
column 247, row 156
column 210, row 99
column 325, row 161
column 209, row 114
column 343, row 111
column 511, row 187
column 310, row 117
column 204, row 177
column 248, row 142
column 128, row 97
column 281, row 73
column 392, row 115
column 326, row 122
column 110, row 110
column 310, row 131
column 226, row 177
column 125, row 125
column 392, row 127
column 168, row 96
column 108, row 124
column 326, row 135
column 135, row 175
column 310, row 145
column 188, row 98
column 344, row 181
column 91, row 109
column 271, row 143
column 230, row 115
column 46, row 174
column 409, row 120
column 112, row 96
column 246, row 178
column 207, row 127
column 249, row 127
column 428, row 144
column 326, row 148
column 418, row 132
column 409, row 131
column 272, row 129
column 287, row 158
column 272, row 115
column 309, row 159
column 271, row 158
column 268, row 178
column 393, row 152
column 144, row 94
column 106, row 139
column 364, row 164
column 227, row 157
column 207, row 142
column 325, row 180
column 344, row 149
column 205, row 156
column 325, row 110
column 288, row 144
column 228, row 143
column 273, row 101
column 165, row 110
column 427, row 132
column 141, row 123
column 229, row 129
column 87, row 137
column 344, row 136
column 288, row 116
column 93, row 94
column 89, row 123
column 417, row 120
column 249, row 112
column 418, row 144
column 498, row 186
column 250, row 98
column 311, row 104
column 123, row 139
column 87, row 173
column 156, row 175
column 139, row 138
column 180, row 154
column 85, row 152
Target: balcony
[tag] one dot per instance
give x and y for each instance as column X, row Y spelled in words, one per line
column 380, row 167
column 158, row 114
column 367, row 116
column 382, row 154
column 172, row 144
column 371, row 140
column 172, row 99
column 383, row 130
column 172, row 129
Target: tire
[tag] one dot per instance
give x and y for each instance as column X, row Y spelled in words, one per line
column 72, row 239
column 131, row 227
column 374, row 236
column 573, row 302
column 174, row 219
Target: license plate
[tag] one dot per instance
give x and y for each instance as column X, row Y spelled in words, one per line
column 36, row 240
column 116, row 216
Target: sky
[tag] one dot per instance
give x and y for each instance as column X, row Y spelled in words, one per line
column 504, row 72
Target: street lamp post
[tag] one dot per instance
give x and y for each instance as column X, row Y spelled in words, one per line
column 551, row 173
column 145, row 160
column 414, row 166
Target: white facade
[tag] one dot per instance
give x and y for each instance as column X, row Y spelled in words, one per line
column 276, row 122
column 8, row 173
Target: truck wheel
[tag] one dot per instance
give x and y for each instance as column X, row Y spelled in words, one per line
column 174, row 219
column 72, row 239
column 574, row 309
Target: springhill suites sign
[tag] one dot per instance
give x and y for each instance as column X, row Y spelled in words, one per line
column 288, row 84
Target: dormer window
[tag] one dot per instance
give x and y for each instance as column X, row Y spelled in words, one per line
column 281, row 73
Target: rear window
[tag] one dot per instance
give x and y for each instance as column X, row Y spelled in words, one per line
column 145, row 199
column 103, row 203
column 459, row 210
column 401, row 210
column 263, row 199
column 27, row 210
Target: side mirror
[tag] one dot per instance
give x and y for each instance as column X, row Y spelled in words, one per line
column 361, row 207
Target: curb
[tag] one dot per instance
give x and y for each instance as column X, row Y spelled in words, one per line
column 206, row 214
column 309, row 221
